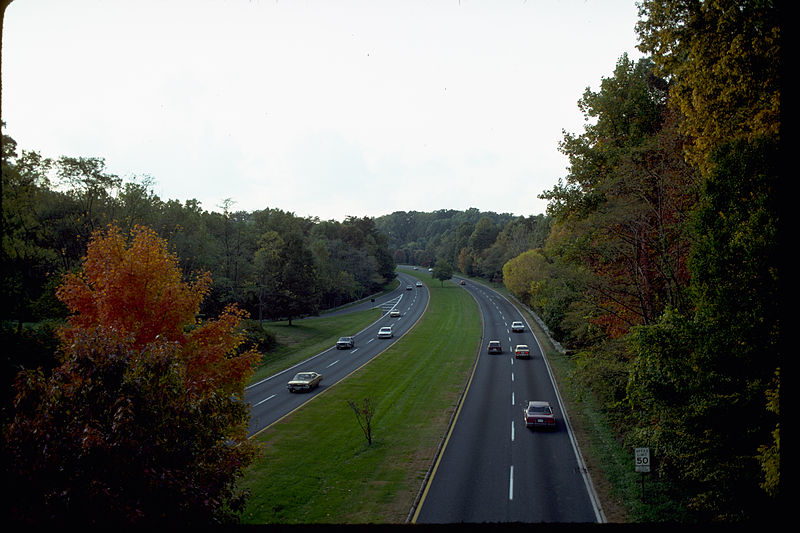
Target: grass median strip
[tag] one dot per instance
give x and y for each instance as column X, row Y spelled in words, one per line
column 317, row 466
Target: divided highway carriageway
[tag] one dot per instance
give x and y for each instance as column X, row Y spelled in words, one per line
column 270, row 399
column 492, row 468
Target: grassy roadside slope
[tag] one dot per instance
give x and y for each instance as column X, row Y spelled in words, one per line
column 317, row 466
column 309, row 336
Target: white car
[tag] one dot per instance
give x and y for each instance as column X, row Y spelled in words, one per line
column 517, row 326
column 539, row 414
column 385, row 333
column 522, row 351
column 394, row 313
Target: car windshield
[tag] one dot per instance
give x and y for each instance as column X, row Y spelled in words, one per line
column 543, row 409
column 303, row 376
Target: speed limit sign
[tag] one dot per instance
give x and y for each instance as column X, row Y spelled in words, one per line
column 642, row 456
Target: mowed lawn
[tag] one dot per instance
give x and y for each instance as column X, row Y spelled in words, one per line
column 317, row 466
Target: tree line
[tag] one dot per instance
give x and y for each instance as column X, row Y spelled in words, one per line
column 475, row 242
column 272, row 263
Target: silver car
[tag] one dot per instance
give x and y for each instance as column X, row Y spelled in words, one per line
column 345, row 342
column 385, row 333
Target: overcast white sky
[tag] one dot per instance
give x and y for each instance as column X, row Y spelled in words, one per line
column 323, row 108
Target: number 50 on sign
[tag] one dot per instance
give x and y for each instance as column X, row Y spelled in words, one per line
column 642, row 456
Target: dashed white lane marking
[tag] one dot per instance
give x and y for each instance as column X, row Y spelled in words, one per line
column 265, row 399
column 511, row 484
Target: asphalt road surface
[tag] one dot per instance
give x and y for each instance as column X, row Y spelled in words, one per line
column 492, row 468
column 269, row 398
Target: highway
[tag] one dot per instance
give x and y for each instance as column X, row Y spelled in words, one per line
column 492, row 468
column 269, row 398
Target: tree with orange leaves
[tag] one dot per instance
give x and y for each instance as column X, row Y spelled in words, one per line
column 144, row 421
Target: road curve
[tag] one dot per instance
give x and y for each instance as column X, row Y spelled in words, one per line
column 492, row 468
column 269, row 398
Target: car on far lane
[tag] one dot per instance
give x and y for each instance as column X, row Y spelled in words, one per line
column 419, row 284
column 345, row 342
column 494, row 347
column 394, row 313
column 517, row 326
column 462, row 282
column 539, row 414
column 522, row 351
column 409, row 288
column 385, row 332
column 304, row 381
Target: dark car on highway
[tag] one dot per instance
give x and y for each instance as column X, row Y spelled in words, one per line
column 495, row 347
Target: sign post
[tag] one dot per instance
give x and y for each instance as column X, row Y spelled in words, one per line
column 642, row 456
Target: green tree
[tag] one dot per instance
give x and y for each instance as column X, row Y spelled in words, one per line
column 267, row 261
column 27, row 258
column 91, row 187
column 721, row 366
column 294, row 291
column 442, row 271
column 621, row 217
column 723, row 60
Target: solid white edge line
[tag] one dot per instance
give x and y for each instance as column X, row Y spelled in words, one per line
column 587, row 479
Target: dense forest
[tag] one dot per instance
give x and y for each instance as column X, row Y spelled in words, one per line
column 52, row 207
column 656, row 263
column 476, row 243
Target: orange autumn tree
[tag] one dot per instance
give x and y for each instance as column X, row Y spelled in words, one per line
column 137, row 290
column 144, row 421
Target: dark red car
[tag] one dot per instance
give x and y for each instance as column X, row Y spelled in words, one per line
column 494, row 347
column 539, row 415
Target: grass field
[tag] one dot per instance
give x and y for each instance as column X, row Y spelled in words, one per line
column 317, row 466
